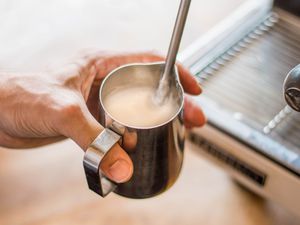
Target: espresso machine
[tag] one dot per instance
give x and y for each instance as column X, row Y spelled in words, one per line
column 249, row 68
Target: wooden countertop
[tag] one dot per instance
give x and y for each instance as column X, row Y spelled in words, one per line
column 47, row 185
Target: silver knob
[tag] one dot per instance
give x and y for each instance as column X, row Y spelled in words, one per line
column 291, row 88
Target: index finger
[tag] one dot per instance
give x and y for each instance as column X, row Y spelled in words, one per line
column 188, row 82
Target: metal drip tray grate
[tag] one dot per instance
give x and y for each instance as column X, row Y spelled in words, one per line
column 247, row 80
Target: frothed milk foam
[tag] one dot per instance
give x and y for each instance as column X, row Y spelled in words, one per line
column 134, row 106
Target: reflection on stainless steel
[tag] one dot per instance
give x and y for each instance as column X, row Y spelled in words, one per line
column 248, row 78
column 292, row 88
column 156, row 152
column 92, row 159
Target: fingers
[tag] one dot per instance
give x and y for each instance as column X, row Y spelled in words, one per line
column 129, row 140
column 193, row 115
column 117, row 165
column 79, row 124
column 9, row 141
column 88, row 74
column 188, row 82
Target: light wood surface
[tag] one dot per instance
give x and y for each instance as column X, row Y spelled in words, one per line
column 47, row 185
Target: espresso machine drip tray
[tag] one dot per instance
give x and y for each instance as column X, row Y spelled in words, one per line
column 247, row 80
column 250, row 84
column 251, row 131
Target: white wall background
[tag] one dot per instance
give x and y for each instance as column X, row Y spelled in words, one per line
column 34, row 33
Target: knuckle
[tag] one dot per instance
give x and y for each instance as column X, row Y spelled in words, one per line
column 71, row 111
column 67, row 116
column 65, row 109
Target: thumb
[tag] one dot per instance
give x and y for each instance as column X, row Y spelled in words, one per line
column 83, row 128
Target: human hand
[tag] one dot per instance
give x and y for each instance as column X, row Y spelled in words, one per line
column 40, row 109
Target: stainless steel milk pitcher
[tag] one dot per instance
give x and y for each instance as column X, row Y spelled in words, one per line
column 156, row 152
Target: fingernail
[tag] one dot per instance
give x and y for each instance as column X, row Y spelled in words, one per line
column 120, row 171
column 200, row 88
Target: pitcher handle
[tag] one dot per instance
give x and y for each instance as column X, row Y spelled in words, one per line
column 93, row 156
